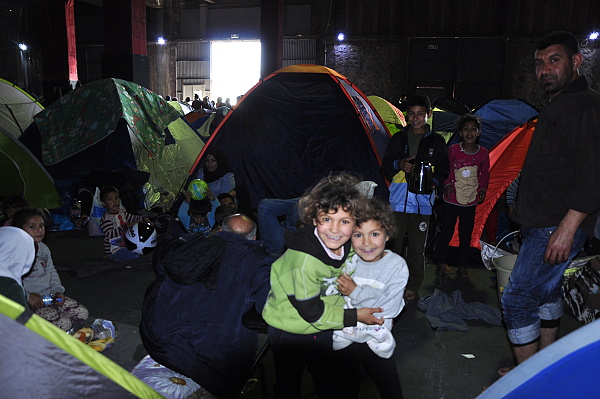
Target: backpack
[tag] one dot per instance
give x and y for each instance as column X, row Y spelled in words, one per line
column 581, row 292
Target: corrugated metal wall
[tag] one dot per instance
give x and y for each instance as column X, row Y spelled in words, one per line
column 192, row 66
column 299, row 51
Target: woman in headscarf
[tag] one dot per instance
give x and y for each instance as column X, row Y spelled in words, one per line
column 17, row 253
column 217, row 172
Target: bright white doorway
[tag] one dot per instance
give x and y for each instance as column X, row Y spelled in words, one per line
column 234, row 68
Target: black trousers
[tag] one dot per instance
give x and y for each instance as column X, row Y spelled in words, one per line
column 466, row 221
column 383, row 372
column 330, row 371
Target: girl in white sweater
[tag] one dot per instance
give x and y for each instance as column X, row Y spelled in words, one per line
column 43, row 280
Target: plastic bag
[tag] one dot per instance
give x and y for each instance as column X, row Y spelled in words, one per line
column 99, row 336
column 61, row 223
column 95, row 215
column 489, row 252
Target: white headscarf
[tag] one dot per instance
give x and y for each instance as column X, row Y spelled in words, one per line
column 17, row 253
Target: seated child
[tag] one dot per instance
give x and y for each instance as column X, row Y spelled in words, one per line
column 114, row 223
column 197, row 216
column 43, row 279
column 379, row 279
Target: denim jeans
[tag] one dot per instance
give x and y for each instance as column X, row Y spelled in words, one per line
column 534, row 291
column 269, row 227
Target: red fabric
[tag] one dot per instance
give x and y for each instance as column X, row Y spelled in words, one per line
column 506, row 161
column 138, row 27
column 71, row 42
column 194, row 116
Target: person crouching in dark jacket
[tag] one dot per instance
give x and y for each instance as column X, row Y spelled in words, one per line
column 192, row 313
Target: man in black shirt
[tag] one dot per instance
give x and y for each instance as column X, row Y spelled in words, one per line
column 558, row 198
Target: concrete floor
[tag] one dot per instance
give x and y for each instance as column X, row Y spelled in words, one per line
column 432, row 364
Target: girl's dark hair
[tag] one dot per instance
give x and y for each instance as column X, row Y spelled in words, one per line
column 337, row 190
column 460, row 122
column 381, row 213
column 23, row 215
column 107, row 189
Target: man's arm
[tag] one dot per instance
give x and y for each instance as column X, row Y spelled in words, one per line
column 561, row 241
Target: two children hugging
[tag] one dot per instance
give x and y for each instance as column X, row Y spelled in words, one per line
column 305, row 304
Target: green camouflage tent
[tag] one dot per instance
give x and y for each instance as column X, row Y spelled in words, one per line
column 90, row 113
column 112, row 124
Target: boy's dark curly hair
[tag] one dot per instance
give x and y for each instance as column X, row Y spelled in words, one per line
column 381, row 213
column 335, row 191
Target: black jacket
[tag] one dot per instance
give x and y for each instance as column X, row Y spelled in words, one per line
column 432, row 148
column 192, row 313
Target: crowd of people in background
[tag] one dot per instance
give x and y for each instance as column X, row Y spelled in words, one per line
column 205, row 103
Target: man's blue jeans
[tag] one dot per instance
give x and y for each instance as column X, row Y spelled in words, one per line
column 534, row 291
column 269, row 227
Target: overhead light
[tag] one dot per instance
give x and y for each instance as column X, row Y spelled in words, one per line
column 593, row 36
column 22, row 46
column 235, row 36
column 161, row 40
column 341, row 37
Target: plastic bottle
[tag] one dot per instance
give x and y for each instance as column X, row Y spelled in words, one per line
column 50, row 299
